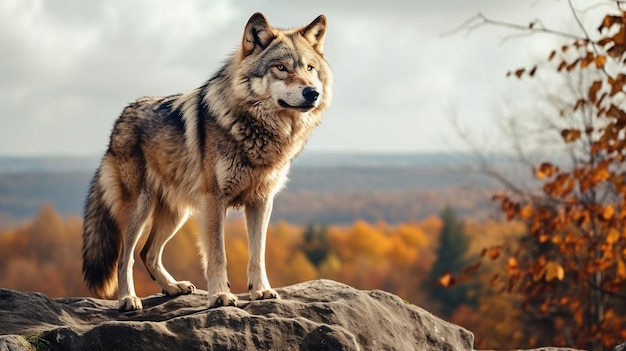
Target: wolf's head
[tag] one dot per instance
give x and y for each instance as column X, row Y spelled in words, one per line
column 286, row 67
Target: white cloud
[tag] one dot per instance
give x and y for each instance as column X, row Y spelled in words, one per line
column 68, row 67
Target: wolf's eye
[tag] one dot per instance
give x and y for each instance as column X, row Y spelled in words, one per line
column 281, row 68
column 310, row 68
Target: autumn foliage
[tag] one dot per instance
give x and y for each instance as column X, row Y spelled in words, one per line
column 571, row 269
column 44, row 256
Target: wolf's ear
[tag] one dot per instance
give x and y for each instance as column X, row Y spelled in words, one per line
column 315, row 33
column 257, row 35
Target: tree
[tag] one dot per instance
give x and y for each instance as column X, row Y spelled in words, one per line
column 451, row 257
column 315, row 244
column 571, row 268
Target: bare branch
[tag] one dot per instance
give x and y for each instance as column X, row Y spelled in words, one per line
column 536, row 26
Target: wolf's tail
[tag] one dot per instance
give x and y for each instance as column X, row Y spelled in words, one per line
column 102, row 242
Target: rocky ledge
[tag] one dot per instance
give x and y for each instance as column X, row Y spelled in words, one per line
column 315, row 315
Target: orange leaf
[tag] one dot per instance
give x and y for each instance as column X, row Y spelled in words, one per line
column 494, row 279
column 607, row 213
column 526, row 212
column 617, row 84
column 600, row 61
column 446, row 280
column 615, row 112
column 601, row 173
column 572, row 65
column 604, row 41
column 616, row 51
column 570, row 135
column 587, row 60
column 609, row 21
column 512, row 262
column 472, row 268
column 613, row 236
column 546, row 170
column 494, row 253
column 620, row 38
column 592, row 94
column 621, row 269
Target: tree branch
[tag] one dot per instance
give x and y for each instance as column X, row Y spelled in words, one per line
column 535, row 26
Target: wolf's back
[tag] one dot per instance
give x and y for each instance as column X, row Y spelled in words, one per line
column 102, row 242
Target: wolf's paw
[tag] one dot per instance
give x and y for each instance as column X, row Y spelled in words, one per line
column 222, row 299
column 130, row 303
column 179, row 288
column 264, row 294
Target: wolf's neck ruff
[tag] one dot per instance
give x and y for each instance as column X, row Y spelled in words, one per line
column 228, row 143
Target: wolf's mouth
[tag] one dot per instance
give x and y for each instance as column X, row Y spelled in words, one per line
column 302, row 108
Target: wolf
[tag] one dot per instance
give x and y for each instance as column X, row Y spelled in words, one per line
column 228, row 143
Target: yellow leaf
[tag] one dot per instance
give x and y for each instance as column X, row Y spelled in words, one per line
column 554, row 271
column 613, row 236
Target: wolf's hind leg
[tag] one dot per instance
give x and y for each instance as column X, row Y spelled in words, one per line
column 165, row 224
column 133, row 231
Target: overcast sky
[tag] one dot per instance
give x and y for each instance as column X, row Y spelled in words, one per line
column 68, row 67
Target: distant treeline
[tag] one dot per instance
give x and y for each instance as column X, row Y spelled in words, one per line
column 313, row 195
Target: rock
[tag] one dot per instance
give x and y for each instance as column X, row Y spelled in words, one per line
column 621, row 347
column 15, row 343
column 315, row 315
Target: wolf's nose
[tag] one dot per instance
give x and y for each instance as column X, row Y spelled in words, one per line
column 310, row 94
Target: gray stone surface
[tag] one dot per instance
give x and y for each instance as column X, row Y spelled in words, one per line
column 315, row 315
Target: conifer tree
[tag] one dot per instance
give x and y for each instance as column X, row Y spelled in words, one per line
column 451, row 257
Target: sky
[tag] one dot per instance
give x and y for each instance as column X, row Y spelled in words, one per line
column 68, row 67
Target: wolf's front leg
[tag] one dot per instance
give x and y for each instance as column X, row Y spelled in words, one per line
column 257, row 218
column 213, row 253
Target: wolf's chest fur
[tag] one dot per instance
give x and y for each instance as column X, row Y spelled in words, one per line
column 240, row 184
column 257, row 162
